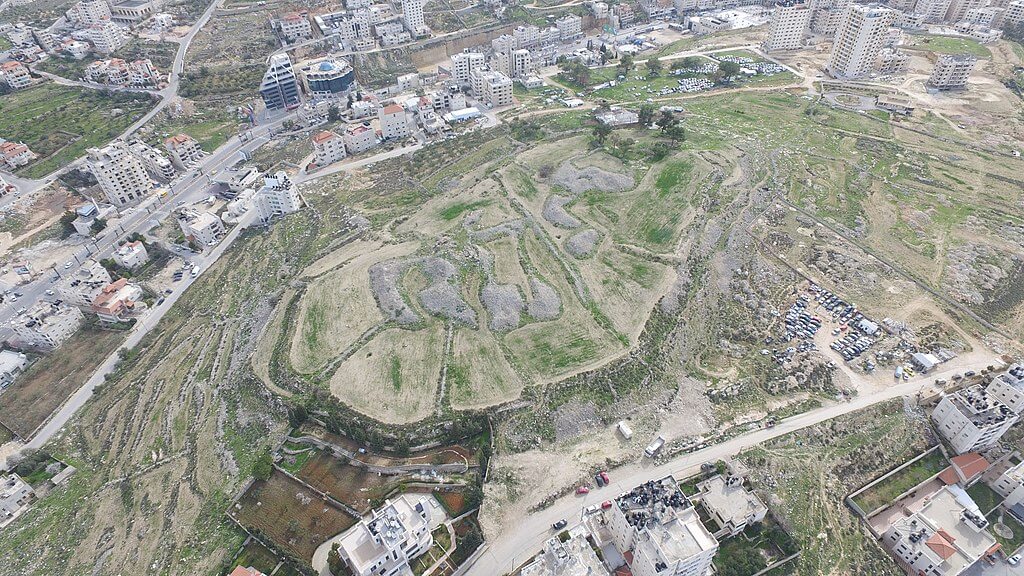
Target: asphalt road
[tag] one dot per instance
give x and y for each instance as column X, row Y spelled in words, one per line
column 520, row 542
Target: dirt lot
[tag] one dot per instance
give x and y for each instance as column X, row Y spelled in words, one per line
column 353, row 485
column 287, row 513
column 53, row 378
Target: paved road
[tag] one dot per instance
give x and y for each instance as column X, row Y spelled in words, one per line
column 521, row 541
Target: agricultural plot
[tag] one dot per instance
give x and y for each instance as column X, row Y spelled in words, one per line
column 351, row 485
column 290, row 515
column 59, row 123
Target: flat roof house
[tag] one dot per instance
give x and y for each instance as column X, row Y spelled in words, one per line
column 731, row 506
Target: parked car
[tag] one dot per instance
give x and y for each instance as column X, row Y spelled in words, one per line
column 582, row 490
column 604, row 476
column 559, row 525
column 606, row 504
column 1013, row 560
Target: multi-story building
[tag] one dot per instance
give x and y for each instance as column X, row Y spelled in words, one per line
column 277, row 197
column 933, row 11
column 131, row 12
column 328, row 148
column 184, row 150
column 1008, row 388
column 279, row 89
column 624, row 13
column 387, row 542
column 492, row 88
column 526, row 36
column 946, row 537
column 116, row 301
column 15, row 154
column 82, row 286
column 107, row 37
column 1010, row 485
column 569, row 27
column 660, row 526
column 156, row 164
column 858, row 41
column 789, row 24
column 951, row 71
column 75, row 48
column 574, row 557
column 329, row 78
column 46, row 325
column 730, row 505
column 200, row 226
column 359, row 138
column 972, row 419
column 412, row 13
column 465, row 63
column 11, row 365
column 958, row 9
column 15, row 75
column 89, row 12
column 295, row 26
column 393, row 122
column 1013, row 15
column 131, row 254
column 15, row 495
column 121, row 175
column 892, row 61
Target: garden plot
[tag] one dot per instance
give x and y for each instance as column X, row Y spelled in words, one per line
column 355, row 486
column 394, row 376
column 479, row 374
column 339, row 307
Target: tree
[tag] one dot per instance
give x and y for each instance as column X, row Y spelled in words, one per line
column 646, row 114
column 625, row 64
column 726, row 70
column 98, row 225
column 264, row 466
column 601, row 132
column 688, row 63
column 333, row 114
column 334, row 561
column 653, row 67
column 288, row 125
column 676, row 133
column 297, row 415
column 67, row 228
column 666, row 121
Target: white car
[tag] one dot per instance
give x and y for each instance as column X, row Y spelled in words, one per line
column 67, row 265
column 1013, row 560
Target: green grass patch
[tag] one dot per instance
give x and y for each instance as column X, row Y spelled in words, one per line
column 459, row 208
column 1010, row 544
column 950, row 45
column 59, row 123
column 395, row 373
column 886, row 491
column 986, row 498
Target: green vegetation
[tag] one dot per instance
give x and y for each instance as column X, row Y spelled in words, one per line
column 60, row 122
column 395, row 373
column 753, row 550
column 986, row 498
column 888, row 490
column 1011, row 543
column 950, row 45
column 459, row 208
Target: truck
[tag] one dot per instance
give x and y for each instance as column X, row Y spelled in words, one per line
column 625, row 430
column 654, row 446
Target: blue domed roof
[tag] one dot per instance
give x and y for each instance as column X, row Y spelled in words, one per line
column 326, row 66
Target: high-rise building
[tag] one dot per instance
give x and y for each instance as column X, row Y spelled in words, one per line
column 951, row 71
column 491, row 88
column 859, row 39
column 933, row 11
column 569, row 26
column 972, row 419
column 464, row 63
column 788, row 26
column 412, row 12
column 328, row 78
column 277, row 197
column 89, row 12
column 279, row 88
column 958, row 9
column 1013, row 15
column 121, row 175
column 158, row 166
column 107, row 37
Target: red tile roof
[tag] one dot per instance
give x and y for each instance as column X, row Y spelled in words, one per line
column 324, row 136
column 393, row 109
column 964, row 467
column 942, row 544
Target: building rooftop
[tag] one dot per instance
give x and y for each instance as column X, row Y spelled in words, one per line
column 324, row 136
column 677, row 535
column 730, row 500
column 393, row 109
column 979, row 406
column 651, row 500
column 574, row 557
column 964, row 468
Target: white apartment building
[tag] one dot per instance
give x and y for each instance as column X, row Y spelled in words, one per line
column 504, row 43
column 201, row 227
column 15, row 495
column 933, row 11
column 393, row 122
column 295, row 26
column 958, row 9
column 892, row 61
column 945, row 538
column 15, row 75
column 1014, row 14
column 789, row 24
column 11, row 365
column 121, row 175
column 82, row 286
column 492, row 88
column 465, row 63
column 131, row 254
column 387, row 542
column 328, row 148
column 569, row 27
column 574, row 557
column 1008, row 388
column 951, row 72
column 107, row 37
column 972, row 419
column 730, row 505
column 660, row 526
column 277, row 197
column 1011, row 487
column 359, row 138
column 155, row 163
column 89, row 12
column 47, row 325
column 412, row 13
column 184, row 150
column 858, row 41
